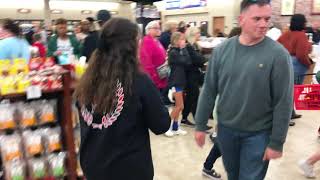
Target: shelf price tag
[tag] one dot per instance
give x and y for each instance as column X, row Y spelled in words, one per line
column 33, row 92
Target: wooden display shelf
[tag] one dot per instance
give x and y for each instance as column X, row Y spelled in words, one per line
column 64, row 103
column 24, row 94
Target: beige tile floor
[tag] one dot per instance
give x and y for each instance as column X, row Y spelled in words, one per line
column 179, row 158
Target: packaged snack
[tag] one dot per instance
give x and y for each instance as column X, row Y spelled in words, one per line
column 15, row 170
column 22, row 84
column 7, row 85
column 33, row 142
column 57, row 164
column 47, row 111
column 7, row 118
column 37, row 168
column 5, row 67
column 19, row 66
column 10, row 147
column 28, row 116
column 53, row 139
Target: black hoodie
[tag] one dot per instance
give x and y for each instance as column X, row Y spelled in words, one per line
column 117, row 147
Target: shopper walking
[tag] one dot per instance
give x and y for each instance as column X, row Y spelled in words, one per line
column 118, row 105
column 254, row 79
column 165, row 37
column 12, row 45
column 153, row 55
column 193, row 74
column 90, row 42
column 179, row 61
column 307, row 165
column 299, row 47
column 62, row 45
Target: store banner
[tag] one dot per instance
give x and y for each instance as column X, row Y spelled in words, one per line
column 182, row 4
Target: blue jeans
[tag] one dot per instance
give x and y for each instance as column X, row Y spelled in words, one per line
column 242, row 153
column 299, row 70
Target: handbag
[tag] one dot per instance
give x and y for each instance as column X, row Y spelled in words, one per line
column 163, row 70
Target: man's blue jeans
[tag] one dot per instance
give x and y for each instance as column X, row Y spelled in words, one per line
column 242, row 153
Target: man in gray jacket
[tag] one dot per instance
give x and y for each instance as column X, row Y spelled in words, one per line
column 254, row 77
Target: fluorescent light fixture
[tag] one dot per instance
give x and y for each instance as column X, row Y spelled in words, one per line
column 25, row 4
column 114, row 12
column 24, row 11
column 85, row 12
column 80, row 5
column 56, row 11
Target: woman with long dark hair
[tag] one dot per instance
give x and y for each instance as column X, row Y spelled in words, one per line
column 118, row 105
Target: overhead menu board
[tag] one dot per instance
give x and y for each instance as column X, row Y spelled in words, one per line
column 181, row 4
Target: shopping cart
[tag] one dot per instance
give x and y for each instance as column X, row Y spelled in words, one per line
column 307, row 96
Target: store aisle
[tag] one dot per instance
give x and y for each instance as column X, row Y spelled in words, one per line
column 179, row 158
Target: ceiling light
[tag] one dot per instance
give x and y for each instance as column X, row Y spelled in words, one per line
column 56, row 11
column 24, row 11
column 85, row 12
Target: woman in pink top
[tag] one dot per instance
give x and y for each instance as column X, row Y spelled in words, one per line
column 152, row 54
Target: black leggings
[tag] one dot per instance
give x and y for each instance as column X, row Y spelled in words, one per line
column 191, row 101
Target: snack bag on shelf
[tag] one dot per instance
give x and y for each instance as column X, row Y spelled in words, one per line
column 5, row 67
column 80, row 67
column 35, row 63
column 15, row 170
column 33, row 142
column 10, row 147
column 7, row 116
column 57, row 164
column 19, row 66
column 48, row 62
column 22, row 83
column 47, row 112
column 37, row 168
column 27, row 116
column 52, row 138
column 8, row 85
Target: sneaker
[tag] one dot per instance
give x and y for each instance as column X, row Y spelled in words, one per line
column 186, row 122
column 211, row 174
column 213, row 137
column 307, row 169
column 208, row 128
column 180, row 132
column 292, row 123
column 169, row 133
column 296, row 116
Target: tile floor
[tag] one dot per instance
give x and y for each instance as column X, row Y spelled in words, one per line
column 179, row 158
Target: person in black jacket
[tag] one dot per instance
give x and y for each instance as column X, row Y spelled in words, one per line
column 194, row 75
column 90, row 42
column 179, row 60
column 118, row 105
column 165, row 37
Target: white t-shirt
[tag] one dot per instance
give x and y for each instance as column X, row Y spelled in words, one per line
column 64, row 45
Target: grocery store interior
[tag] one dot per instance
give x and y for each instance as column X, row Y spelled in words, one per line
column 45, row 50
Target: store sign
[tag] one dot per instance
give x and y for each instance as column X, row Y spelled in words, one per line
column 181, row 4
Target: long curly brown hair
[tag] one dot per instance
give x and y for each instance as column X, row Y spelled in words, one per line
column 114, row 60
